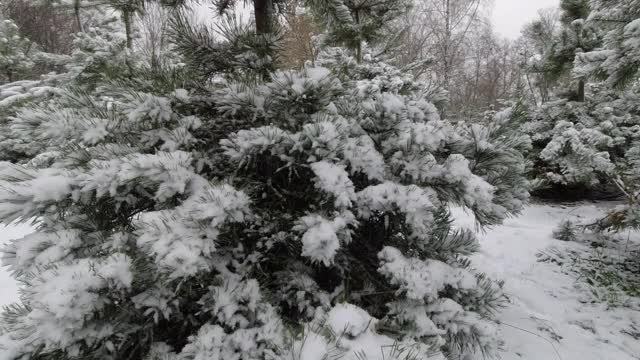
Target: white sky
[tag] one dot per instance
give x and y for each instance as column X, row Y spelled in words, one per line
column 510, row 15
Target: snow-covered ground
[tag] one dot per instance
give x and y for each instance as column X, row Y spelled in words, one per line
column 546, row 317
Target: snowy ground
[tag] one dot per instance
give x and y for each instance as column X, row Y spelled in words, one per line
column 547, row 317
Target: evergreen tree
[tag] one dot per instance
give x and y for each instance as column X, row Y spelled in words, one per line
column 575, row 37
column 566, row 231
column 600, row 140
column 628, row 180
column 15, row 52
column 233, row 211
column 618, row 60
column 264, row 12
column 581, row 137
column 98, row 52
column 355, row 23
column 578, row 146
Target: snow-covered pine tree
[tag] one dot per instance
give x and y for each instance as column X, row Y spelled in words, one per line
column 578, row 145
column 570, row 150
column 355, row 24
column 566, row 231
column 626, row 216
column 98, row 52
column 575, row 37
column 580, row 136
column 617, row 62
column 618, row 59
column 15, row 52
column 225, row 214
column 16, row 63
column 585, row 143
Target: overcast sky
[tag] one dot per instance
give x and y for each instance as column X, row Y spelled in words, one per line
column 510, row 15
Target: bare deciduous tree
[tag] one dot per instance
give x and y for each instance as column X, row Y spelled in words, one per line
column 298, row 47
column 152, row 34
column 49, row 26
column 442, row 30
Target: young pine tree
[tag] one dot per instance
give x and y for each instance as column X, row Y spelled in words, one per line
column 580, row 138
column 587, row 143
column 575, row 37
column 355, row 23
column 232, row 211
column 571, row 150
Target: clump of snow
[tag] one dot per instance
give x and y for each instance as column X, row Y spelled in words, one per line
column 182, row 240
column 245, row 327
column 41, row 249
column 170, row 172
column 362, row 156
column 334, row 180
column 416, row 203
column 66, row 297
column 423, row 136
column 349, row 319
column 24, row 193
column 321, row 238
column 182, row 95
column 422, row 279
column 353, row 336
column 96, row 133
column 158, row 302
column 245, row 143
column 149, row 108
column 325, row 137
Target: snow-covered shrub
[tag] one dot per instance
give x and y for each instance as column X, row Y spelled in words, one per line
column 580, row 145
column 626, row 216
column 618, row 62
column 566, row 231
column 214, row 221
column 580, row 137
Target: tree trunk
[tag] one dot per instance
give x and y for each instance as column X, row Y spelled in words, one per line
column 126, row 17
column 76, row 12
column 359, row 44
column 262, row 13
column 533, row 92
column 581, row 91
column 447, row 40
